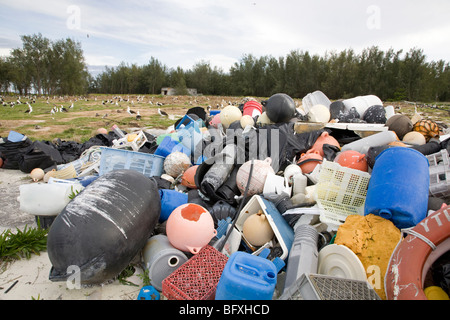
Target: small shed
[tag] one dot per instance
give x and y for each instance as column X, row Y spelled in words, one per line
column 168, row 91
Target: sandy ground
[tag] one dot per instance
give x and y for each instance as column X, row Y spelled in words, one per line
column 32, row 275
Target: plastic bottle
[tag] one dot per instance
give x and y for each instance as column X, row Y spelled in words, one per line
column 303, row 255
column 375, row 140
column 118, row 131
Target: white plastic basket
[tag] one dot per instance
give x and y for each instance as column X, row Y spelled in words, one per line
column 439, row 174
column 340, row 192
column 116, row 159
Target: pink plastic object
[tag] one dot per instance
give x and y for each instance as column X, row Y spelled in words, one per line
column 352, row 159
column 252, row 108
column 324, row 138
column 190, row 227
column 215, row 120
column 308, row 161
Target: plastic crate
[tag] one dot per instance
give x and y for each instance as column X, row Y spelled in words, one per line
column 197, row 278
column 439, row 174
column 116, row 159
column 340, row 192
column 324, row 287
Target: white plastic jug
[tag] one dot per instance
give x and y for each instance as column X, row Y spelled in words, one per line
column 43, row 199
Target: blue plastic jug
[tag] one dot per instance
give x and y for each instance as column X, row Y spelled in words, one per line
column 170, row 200
column 247, row 277
column 398, row 187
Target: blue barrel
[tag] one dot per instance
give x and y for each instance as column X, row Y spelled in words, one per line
column 170, row 200
column 247, row 277
column 398, row 187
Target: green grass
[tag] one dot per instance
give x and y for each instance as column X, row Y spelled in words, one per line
column 42, row 125
column 22, row 243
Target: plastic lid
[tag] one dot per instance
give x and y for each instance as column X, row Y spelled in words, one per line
column 339, row 261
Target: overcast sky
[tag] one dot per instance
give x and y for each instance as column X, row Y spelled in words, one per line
column 184, row 32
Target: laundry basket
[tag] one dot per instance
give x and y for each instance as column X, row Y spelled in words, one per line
column 116, row 159
column 340, row 192
column 439, row 174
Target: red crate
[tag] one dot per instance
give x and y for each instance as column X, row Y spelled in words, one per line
column 197, row 278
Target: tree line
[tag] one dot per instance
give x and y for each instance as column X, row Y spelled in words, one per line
column 58, row 67
column 391, row 75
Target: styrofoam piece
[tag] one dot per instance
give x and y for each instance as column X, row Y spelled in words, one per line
column 283, row 232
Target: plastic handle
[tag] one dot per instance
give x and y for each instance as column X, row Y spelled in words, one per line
column 246, row 269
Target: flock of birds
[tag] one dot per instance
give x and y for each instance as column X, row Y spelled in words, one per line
column 132, row 104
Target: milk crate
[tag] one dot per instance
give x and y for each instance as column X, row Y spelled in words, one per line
column 197, row 278
column 439, row 174
column 340, row 192
column 324, row 287
column 116, row 159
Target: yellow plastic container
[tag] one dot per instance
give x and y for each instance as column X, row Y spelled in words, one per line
column 436, row 293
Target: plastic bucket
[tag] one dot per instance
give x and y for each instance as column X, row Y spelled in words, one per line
column 170, row 200
column 252, row 108
column 169, row 145
column 398, row 187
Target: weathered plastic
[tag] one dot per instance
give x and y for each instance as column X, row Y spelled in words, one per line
column 161, row 259
column 103, row 228
column 375, row 140
column 43, row 199
column 303, row 256
column 247, row 277
column 398, row 188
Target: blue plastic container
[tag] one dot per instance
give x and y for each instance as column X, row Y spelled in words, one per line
column 247, row 277
column 169, row 145
column 398, row 187
column 170, row 200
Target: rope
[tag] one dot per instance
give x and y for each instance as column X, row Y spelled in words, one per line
column 421, row 237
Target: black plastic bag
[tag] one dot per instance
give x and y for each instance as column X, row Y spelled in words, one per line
column 40, row 154
column 12, row 152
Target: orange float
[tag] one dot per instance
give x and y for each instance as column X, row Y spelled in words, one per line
column 415, row 254
column 188, row 177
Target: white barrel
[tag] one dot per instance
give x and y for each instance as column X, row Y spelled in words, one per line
column 44, row 199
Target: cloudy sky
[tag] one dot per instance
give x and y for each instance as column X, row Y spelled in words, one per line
column 184, row 32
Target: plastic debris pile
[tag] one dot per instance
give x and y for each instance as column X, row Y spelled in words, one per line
column 261, row 201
